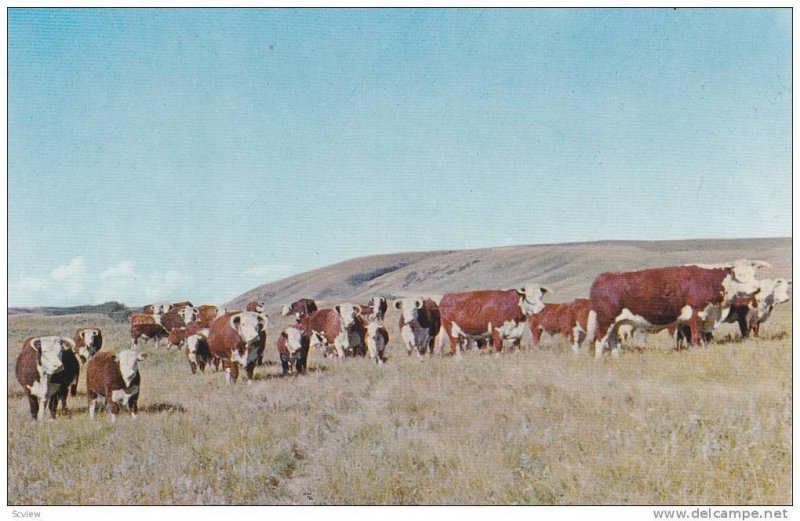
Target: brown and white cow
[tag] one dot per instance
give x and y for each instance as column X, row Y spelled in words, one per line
column 115, row 380
column 197, row 352
column 154, row 332
column 299, row 308
column 419, row 324
column 293, row 346
column 177, row 337
column 159, row 308
column 88, row 341
column 375, row 309
column 144, row 318
column 658, row 298
column 569, row 320
column 496, row 314
column 259, row 306
column 237, row 339
column 46, row 369
column 342, row 329
column 178, row 316
column 376, row 338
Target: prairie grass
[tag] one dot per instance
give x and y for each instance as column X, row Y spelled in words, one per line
column 539, row 426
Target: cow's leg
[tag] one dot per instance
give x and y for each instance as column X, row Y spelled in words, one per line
column 744, row 328
column 696, row 330
column 133, row 406
column 536, row 335
column 578, row 336
column 33, row 402
column 90, row 398
column 756, row 327
column 497, row 339
column 112, row 405
column 249, row 369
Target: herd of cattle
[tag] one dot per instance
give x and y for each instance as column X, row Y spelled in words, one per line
column 690, row 301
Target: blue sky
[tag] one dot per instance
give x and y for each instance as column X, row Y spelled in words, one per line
column 170, row 154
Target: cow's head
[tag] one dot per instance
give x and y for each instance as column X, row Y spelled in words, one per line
column 249, row 325
column 531, row 298
column 379, row 306
column 261, row 306
column 129, row 364
column 294, row 340
column 193, row 343
column 741, row 279
column 286, row 310
column 221, row 310
column 50, row 351
column 92, row 342
column 409, row 307
column 160, row 308
column 349, row 313
column 774, row 291
column 188, row 314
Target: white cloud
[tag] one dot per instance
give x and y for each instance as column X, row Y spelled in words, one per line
column 33, row 284
column 123, row 269
column 70, row 277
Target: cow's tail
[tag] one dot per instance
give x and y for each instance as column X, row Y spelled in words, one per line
column 591, row 329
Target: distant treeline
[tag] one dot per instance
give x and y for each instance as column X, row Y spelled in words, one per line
column 117, row 311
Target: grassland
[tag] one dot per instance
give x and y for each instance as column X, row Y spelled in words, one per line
column 533, row 427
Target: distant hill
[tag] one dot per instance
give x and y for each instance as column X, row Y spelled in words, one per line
column 568, row 269
column 118, row 312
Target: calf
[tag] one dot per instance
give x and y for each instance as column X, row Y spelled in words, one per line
column 237, row 339
column 341, row 329
column 88, row 341
column 197, row 351
column 490, row 314
column 46, row 368
column 114, row 379
column 154, row 332
column 293, row 346
column 570, row 320
column 419, row 324
column 177, row 337
column 376, row 308
column 376, row 337
column 299, row 308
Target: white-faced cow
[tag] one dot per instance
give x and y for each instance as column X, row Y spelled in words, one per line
column 46, row 369
column 299, row 308
column 419, row 324
column 237, row 339
column 489, row 314
column 569, row 320
column 658, row 298
column 88, row 341
column 115, row 380
column 293, row 346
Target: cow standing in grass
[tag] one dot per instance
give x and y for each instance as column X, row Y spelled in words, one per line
column 237, row 339
column 46, row 368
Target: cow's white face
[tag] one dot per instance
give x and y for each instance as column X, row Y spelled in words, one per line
column 88, row 349
column 249, row 325
column 531, row 301
column 188, row 314
column 51, row 349
column 294, row 340
column 317, row 341
column 409, row 307
column 193, row 340
column 741, row 280
column 349, row 313
column 221, row 310
column 161, row 307
column 286, row 310
column 780, row 291
column 129, row 364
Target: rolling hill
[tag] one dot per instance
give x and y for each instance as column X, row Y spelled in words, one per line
column 568, row 269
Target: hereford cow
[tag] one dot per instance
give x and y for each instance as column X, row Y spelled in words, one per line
column 158, row 308
column 376, row 308
column 342, row 329
column 237, row 339
column 569, row 320
column 177, row 337
column 259, row 306
column 178, row 316
column 144, row 318
column 489, row 314
column 46, row 369
column 299, row 308
column 88, row 341
column 771, row 293
column 419, row 324
column 197, row 352
column 293, row 346
column 154, row 332
column 376, row 337
column 115, row 380
column 658, row 298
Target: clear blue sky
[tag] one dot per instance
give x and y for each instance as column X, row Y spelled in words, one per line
column 165, row 154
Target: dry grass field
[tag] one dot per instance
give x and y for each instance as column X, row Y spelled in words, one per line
column 532, row 427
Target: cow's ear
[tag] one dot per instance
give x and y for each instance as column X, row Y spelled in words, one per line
column 382, row 299
column 141, row 356
column 398, row 304
column 236, row 320
column 418, row 304
column 66, row 343
column 357, row 308
column 336, row 307
column 36, row 344
column 545, row 289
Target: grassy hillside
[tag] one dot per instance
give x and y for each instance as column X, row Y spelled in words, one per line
column 568, row 269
